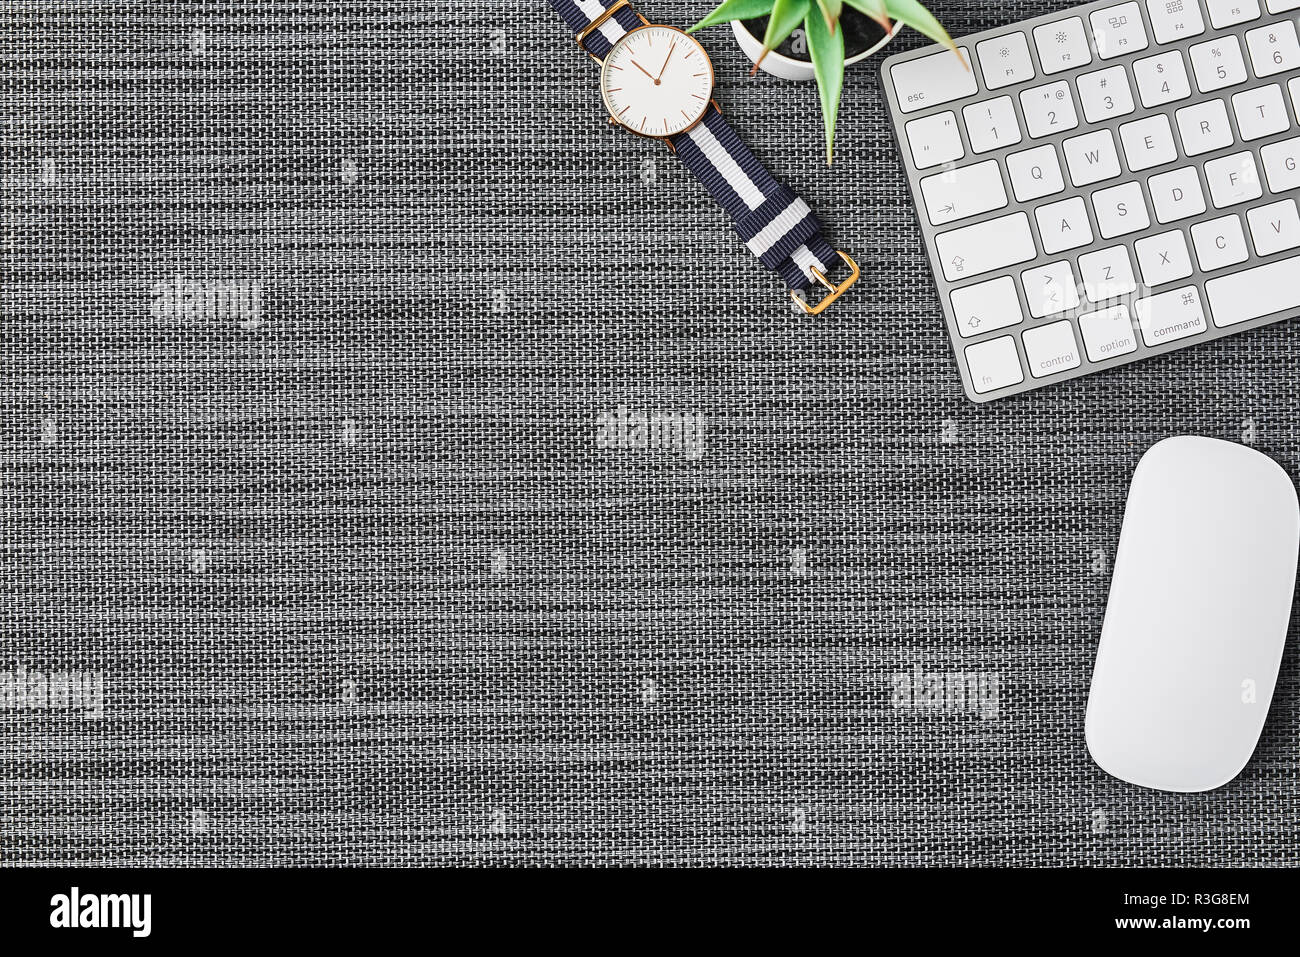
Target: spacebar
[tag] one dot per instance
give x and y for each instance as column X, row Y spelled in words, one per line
column 1253, row 293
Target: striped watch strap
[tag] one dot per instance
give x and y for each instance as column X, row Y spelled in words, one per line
column 578, row 14
column 776, row 225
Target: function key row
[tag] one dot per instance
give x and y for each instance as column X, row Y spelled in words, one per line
column 1103, row 94
column 1116, row 31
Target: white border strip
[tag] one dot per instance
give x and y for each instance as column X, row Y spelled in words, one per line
column 786, row 220
column 805, row 260
column 611, row 28
column 717, row 154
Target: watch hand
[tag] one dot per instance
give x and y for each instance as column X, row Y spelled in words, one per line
column 642, row 69
column 666, row 59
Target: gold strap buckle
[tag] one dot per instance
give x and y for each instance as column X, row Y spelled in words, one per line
column 581, row 36
column 835, row 291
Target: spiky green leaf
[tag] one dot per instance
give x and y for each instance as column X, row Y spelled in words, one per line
column 734, row 10
column 911, row 13
column 827, row 51
column 785, row 16
column 831, row 10
column 875, row 9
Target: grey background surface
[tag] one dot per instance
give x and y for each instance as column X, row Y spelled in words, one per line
column 364, row 588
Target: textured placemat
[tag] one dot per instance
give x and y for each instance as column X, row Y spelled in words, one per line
column 327, row 333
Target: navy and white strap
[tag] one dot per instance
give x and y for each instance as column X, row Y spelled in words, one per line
column 578, row 14
column 776, row 225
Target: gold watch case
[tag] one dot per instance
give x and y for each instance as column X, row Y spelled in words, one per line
column 581, row 39
column 604, row 70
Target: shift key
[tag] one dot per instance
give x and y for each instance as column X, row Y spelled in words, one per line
column 985, row 246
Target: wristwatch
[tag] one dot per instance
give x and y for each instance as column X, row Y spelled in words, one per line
column 657, row 81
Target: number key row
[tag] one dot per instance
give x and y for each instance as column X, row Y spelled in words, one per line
column 936, row 140
column 1104, row 94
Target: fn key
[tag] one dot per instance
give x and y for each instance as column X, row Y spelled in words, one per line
column 994, row 364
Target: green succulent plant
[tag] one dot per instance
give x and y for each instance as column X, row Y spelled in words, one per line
column 820, row 20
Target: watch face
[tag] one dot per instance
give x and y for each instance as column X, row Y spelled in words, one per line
column 657, row 81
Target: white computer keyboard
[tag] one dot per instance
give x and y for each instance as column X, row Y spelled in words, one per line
column 1105, row 183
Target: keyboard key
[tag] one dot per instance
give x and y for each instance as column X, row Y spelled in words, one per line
column 1118, row 220
column 991, row 125
column 1176, row 194
column 1105, row 94
column 986, row 306
column 1091, row 158
column 1260, row 112
column 1161, row 79
column 1107, row 274
column 1107, row 333
column 1050, row 349
column 1005, row 60
column 1282, row 164
column 1118, row 30
column 983, row 247
column 994, row 365
column 1175, row 19
column 1274, row 227
column 1050, row 289
column 968, row 191
column 1171, row 315
column 1204, row 127
column 1163, row 258
column 934, row 140
column 1254, row 293
column 1120, row 210
column 1035, row 173
column 1049, row 109
column 1226, row 13
column 1274, row 48
column 1232, row 179
column 1219, row 242
column 1063, row 225
column 1148, row 142
column 1218, row 63
column 931, row 80
column 1062, row 45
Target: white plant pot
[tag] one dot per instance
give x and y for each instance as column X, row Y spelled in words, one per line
column 785, row 67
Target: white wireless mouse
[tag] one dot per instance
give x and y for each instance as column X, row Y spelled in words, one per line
column 1197, row 616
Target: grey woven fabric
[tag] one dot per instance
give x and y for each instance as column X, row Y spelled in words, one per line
column 317, row 325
